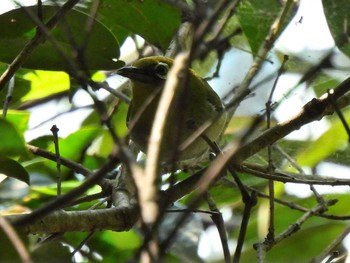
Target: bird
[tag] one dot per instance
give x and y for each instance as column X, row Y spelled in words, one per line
column 200, row 105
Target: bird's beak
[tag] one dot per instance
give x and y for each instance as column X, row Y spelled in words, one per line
column 135, row 74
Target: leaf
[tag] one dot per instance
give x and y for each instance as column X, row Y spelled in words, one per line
column 19, row 119
column 14, row 169
column 335, row 138
column 16, row 29
column 11, row 143
column 337, row 15
column 44, row 83
column 256, row 18
column 21, row 88
column 154, row 20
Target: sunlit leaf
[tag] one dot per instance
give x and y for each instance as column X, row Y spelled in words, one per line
column 44, row 83
column 12, row 142
column 19, row 119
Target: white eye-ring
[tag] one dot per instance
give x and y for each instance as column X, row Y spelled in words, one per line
column 161, row 70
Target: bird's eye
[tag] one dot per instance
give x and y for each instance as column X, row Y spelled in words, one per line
column 161, row 70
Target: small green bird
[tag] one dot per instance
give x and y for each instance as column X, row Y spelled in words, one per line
column 200, row 106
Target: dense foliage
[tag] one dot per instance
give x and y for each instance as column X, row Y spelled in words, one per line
column 63, row 133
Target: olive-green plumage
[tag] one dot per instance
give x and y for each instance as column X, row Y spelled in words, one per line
column 201, row 104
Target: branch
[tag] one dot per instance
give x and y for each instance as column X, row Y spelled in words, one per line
column 288, row 177
column 262, row 248
column 314, row 110
column 61, row 201
column 116, row 219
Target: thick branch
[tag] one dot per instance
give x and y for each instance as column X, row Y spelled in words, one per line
column 117, row 219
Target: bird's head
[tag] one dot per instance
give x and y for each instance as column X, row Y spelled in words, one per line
column 150, row 71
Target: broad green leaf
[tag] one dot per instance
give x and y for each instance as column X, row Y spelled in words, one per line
column 154, row 20
column 100, row 46
column 130, row 239
column 12, row 142
column 119, row 120
column 44, row 83
column 14, row 169
column 337, row 15
column 18, row 119
column 332, row 140
column 256, row 18
column 107, row 243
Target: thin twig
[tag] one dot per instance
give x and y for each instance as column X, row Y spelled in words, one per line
column 60, row 201
column 248, row 205
column 339, row 113
column 54, row 131
column 271, row 229
column 293, row 228
column 243, row 90
column 220, row 225
column 8, row 98
column 332, row 246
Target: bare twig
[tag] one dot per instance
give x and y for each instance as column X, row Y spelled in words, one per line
column 54, row 131
column 332, row 246
column 60, row 201
column 267, row 245
column 271, row 231
column 339, row 113
column 8, row 98
column 216, row 216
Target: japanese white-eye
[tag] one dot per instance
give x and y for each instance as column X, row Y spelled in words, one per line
column 198, row 106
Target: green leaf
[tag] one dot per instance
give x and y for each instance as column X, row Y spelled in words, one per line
column 12, row 143
column 21, row 87
column 16, row 29
column 322, row 83
column 335, row 138
column 14, row 169
column 44, row 83
column 154, row 20
column 337, row 15
column 18, row 119
column 256, row 18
